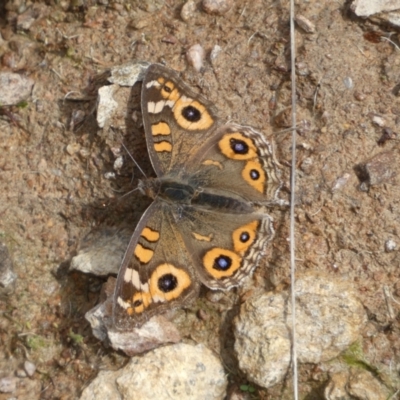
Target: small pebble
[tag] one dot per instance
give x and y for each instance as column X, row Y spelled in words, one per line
column 73, row 148
column 348, row 82
column 325, row 117
column 188, row 11
column 118, row 163
column 56, row 172
column 302, row 69
column 214, row 296
column 151, row 6
column 377, row 120
column 170, row 39
column 109, row 175
column 340, row 182
column 306, row 165
column 390, row 245
column 116, row 150
column 8, row 384
column 7, row 275
column 360, row 96
column 387, row 134
column 14, row 88
column 195, row 56
column 42, row 165
column 26, row 19
column 217, row 7
column 140, row 22
column 77, row 117
column 201, row 314
column 305, row 24
column 84, row 153
column 382, row 168
column 215, row 53
column 20, row 373
column 29, row 368
column 39, row 106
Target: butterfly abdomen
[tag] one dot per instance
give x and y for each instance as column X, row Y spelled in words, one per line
column 220, row 203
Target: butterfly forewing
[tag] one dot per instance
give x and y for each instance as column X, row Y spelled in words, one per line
column 176, row 119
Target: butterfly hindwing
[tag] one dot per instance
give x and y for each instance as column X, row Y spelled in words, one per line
column 225, row 247
column 156, row 273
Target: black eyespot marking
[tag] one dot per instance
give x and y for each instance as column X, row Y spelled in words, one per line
column 222, row 263
column 239, row 146
column 254, row 174
column 244, row 237
column 167, row 89
column 191, row 114
column 167, row 283
column 137, row 303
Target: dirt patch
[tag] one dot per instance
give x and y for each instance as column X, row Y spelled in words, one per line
column 53, row 163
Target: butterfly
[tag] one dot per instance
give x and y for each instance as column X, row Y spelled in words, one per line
column 204, row 225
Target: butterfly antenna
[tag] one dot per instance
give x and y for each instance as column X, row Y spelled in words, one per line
column 129, row 193
column 134, row 161
column 131, row 156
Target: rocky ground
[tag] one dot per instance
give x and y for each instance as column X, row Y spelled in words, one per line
column 59, row 180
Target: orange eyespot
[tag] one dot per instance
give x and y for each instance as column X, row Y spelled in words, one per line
column 236, row 146
column 254, row 175
column 168, row 282
column 140, row 301
column 221, row 263
column 244, row 237
column 192, row 115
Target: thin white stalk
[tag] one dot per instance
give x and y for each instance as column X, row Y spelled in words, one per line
column 292, row 201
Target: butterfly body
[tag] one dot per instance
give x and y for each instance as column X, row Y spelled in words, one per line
column 179, row 194
column 204, row 225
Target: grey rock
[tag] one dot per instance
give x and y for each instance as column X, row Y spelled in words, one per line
column 8, row 384
column 378, row 11
column 382, row 168
column 390, row 245
column 128, row 74
column 358, row 383
column 180, row 371
column 151, row 6
column 156, row 332
column 329, row 318
column 7, row 275
column 101, row 252
column 365, row 8
column 262, row 341
column 106, row 105
column 14, row 88
column 217, row 7
column 215, row 52
column 195, row 56
column 188, row 11
column 103, row 387
column 29, row 367
column 305, row 24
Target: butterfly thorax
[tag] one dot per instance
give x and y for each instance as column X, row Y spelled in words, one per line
column 167, row 190
column 175, row 192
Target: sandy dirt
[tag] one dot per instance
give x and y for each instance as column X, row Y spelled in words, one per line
column 53, row 162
